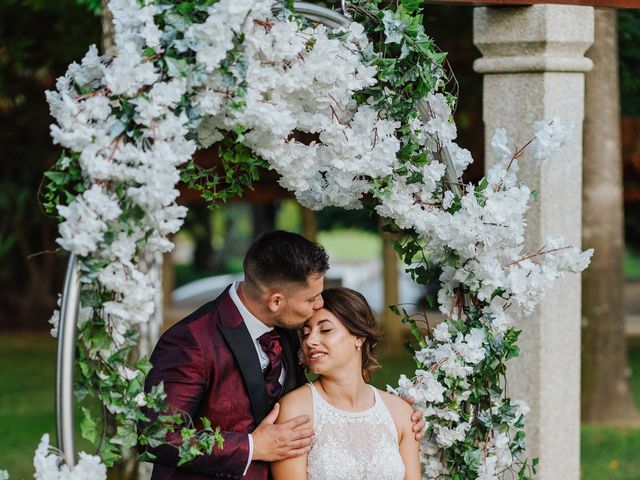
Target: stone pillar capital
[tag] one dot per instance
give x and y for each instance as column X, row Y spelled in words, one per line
column 539, row 38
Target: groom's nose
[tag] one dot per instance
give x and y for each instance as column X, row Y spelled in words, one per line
column 318, row 303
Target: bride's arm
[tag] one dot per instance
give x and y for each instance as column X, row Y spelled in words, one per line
column 295, row 403
column 401, row 412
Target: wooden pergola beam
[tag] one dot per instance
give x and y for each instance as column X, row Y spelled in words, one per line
column 522, row 3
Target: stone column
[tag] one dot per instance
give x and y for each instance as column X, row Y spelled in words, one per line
column 533, row 65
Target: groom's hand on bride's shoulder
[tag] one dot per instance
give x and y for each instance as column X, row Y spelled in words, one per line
column 273, row 442
column 416, row 419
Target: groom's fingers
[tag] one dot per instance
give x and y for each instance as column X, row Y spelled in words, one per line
column 409, row 400
column 299, row 451
column 278, row 441
column 417, row 420
column 298, row 444
column 273, row 414
column 305, row 433
column 297, row 421
column 418, row 426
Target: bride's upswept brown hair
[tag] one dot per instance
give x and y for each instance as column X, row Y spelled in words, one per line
column 352, row 309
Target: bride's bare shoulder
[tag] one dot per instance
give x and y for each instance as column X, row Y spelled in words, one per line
column 296, row 402
column 399, row 408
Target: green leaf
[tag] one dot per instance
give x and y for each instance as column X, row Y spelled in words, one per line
column 177, row 67
column 57, row 178
column 109, row 454
column 206, row 423
column 512, row 352
column 412, row 6
column 88, row 427
column 126, row 436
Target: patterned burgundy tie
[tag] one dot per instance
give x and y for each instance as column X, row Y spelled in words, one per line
column 270, row 343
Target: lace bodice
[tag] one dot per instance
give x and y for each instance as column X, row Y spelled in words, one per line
column 353, row 445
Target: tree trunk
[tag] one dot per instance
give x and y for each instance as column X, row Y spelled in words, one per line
column 309, row 224
column 263, row 216
column 390, row 321
column 108, row 32
column 606, row 395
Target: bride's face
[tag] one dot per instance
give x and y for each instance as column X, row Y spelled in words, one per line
column 327, row 345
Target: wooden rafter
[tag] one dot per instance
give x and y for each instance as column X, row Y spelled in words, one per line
column 585, row 3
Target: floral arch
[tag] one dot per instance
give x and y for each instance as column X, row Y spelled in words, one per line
column 248, row 76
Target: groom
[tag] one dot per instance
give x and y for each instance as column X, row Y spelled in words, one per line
column 233, row 358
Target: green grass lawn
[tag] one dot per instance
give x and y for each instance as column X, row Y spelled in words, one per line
column 27, row 388
column 27, row 400
column 351, row 245
column 631, row 264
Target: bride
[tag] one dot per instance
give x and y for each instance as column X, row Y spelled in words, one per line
column 360, row 432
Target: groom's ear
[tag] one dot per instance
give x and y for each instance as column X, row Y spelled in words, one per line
column 275, row 302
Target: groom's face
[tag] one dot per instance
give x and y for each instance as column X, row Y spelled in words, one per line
column 301, row 303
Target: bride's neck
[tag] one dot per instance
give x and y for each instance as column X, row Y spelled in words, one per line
column 350, row 392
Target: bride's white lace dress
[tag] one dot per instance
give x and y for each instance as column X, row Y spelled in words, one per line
column 353, row 445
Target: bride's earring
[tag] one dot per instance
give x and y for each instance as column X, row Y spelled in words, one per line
column 358, row 346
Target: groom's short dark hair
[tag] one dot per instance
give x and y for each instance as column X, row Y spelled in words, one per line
column 281, row 258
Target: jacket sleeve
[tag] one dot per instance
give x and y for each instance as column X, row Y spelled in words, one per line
column 179, row 361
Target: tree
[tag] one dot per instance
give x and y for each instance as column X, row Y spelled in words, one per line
column 606, row 395
column 629, row 37
column 38, row 40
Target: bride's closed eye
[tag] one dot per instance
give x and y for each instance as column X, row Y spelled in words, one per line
column 305, row 334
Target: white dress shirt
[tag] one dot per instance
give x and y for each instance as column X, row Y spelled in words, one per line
column 256, row 329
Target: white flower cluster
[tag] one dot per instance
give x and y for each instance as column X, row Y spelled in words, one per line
column 484, row 233
column 300, row 82
column 96, row 223
column 286, row 89
column 212, row 39
column 550, row 137
column 50, row 466
column 133, row 303
column 500, row 458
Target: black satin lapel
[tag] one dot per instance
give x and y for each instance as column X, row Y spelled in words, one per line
column 290, row 360
column 240, row 343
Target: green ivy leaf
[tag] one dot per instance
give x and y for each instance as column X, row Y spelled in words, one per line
column 88, row 426
column 109, row 454
column 126, row 436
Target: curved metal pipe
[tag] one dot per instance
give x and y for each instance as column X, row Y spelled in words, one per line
column 65, row 360
column 329, row 18
column 71, row 295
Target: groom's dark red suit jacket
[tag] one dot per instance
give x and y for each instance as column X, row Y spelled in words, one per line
column 210, row 368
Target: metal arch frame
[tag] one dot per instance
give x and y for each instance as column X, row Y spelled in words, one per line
column 326, row 16
column 65, row 360
column 71, row 294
